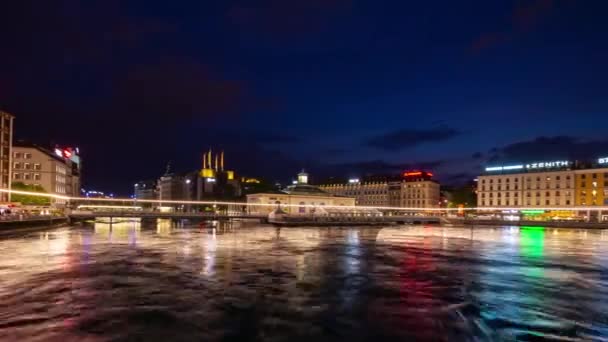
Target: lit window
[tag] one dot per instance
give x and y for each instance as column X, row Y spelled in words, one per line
column 17, row 165
column 27, row 155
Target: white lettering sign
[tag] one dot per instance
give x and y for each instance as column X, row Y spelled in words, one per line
column 603, row 160
column 546, row 165
column 540, row 165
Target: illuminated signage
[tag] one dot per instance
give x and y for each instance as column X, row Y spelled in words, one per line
column 603, row 160
column 559, row 163
column 532, row 212
column 417, row 173
column 67, row 153
column 354, row 180
column 531, row 166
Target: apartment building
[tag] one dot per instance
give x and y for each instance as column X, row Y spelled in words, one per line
column 57, row 172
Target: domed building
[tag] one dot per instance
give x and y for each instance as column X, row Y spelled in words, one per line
column 298, row 198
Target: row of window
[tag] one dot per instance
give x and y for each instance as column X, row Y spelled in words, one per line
column 26, row 176
column 59, row 188
column 418, row 202
column 593, row 184
column 27, row 166
column 547, row 186
column 21, row 155
column 528, row 194
column 515, row 202
column 538, row 178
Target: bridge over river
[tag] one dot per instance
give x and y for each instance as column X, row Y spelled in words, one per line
column 80, row 215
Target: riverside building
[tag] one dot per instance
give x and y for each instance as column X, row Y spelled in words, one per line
column 6, row 153
column 298, row 198
column 562, row 185
column 412, row 189
column 56, row 171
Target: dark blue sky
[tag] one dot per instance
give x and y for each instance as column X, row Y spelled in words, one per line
column 335, row 86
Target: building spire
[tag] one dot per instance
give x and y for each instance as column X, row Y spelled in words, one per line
column 209, row 158
column 204, row 161
column 222, row 161
column 216, row 163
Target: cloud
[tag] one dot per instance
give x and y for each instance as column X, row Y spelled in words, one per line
column 407, row 138
column 175, row 90
column 556, row 147
column 381, row 166
column 274, row 138
column 525, row 16
column 487, row 40
column 459, row 178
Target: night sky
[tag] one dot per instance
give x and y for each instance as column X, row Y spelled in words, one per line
column 338, row 87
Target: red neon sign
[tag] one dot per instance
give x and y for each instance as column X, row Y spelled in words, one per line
column 417, row 173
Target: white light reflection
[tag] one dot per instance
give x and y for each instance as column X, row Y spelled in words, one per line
column 210, row 253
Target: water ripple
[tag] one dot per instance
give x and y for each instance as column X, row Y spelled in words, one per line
column 240, row 282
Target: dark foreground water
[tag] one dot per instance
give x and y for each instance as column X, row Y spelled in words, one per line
column 236, row 283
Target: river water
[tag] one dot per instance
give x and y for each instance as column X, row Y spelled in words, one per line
column 247, row 282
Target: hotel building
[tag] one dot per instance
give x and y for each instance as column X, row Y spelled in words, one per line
column 556, row 184
column 413, row 189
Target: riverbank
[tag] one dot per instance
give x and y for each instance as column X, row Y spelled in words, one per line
column 33, row 222
column 552, row 224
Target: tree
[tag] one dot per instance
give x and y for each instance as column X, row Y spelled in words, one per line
column 29, row 199
column 464, row 195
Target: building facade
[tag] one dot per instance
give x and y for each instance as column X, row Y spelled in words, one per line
column 591, row 187
column 567, row 189
column 146, row 190
column 413, row 189
column 300, row 198
column 57, row 172
column 538, row 189
column 6, row 153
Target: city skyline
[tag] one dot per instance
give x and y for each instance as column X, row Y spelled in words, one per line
column 344, row 88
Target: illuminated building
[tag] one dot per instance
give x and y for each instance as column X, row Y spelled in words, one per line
column 145, row 190
column 538, row 189
column 57, row 171
column 301, row 195
column 214, row 180
column 412, row 189
column 6, row 153
column 174, row 187
column 591, row 187
column 546, row 184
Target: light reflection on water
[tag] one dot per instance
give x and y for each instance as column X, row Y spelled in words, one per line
column 170, row 281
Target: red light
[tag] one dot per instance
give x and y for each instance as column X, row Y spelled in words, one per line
column 67, row 153
column 418, row 173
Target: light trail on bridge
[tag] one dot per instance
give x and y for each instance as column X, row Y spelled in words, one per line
column 161, row 202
